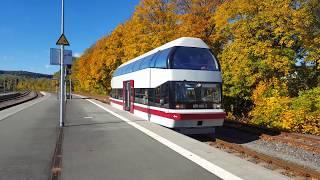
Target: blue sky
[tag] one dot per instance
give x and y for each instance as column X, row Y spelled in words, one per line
column 29, row 28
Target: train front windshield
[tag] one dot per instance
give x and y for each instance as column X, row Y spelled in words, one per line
column 194, row 59
column 191, row 95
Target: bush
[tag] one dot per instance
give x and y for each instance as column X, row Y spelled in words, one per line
column 307, row 111
column 272, row 107
column 300, row 114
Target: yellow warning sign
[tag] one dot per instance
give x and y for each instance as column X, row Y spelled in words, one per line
column 62, row 41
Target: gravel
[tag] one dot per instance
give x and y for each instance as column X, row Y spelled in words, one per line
column 286, row 152
column 272, row 148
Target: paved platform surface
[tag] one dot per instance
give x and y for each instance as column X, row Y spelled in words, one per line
column 213, row 157
column 27, row 139
column 101, row 142
column 98, row 145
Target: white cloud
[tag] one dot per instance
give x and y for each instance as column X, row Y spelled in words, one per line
column 77, row 55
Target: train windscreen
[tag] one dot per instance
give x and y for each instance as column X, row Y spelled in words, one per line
column 194, row 58
column 192, row 95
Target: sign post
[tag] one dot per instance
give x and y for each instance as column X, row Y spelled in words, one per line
column 70, row 88
column 62, row 41
column 69, row 66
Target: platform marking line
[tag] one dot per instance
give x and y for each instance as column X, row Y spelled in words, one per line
column 212, row 168
column 87, row 117
column 36, row 101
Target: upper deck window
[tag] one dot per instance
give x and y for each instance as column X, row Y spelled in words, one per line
column 162, row 58
column 194, row 58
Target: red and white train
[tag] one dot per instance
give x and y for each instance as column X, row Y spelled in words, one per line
column 177, row 85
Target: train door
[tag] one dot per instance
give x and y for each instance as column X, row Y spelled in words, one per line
column 128, row 95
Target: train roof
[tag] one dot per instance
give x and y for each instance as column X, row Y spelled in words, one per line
column 183, row 41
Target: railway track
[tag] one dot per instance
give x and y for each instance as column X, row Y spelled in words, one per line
column 309, row 143
column 230, row 144
column 287, row 168
column 13, row 99
column 15, row 95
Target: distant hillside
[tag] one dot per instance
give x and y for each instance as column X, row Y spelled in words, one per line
column 25, row 74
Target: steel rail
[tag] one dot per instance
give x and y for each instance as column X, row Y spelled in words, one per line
column 14, row 96
column 293, row 168
column 308, row 143
column 17, row 99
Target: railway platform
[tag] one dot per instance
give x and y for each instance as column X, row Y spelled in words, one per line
column 101, row 142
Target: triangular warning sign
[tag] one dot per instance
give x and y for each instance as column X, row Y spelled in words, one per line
column 62, row 41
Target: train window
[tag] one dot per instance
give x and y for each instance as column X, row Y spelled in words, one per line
column 151, row 97
column 111, row 93
column 194, row 58
column 162, row 96
column 162, row 59
column 120, row 72
column 158, row 60
column 142, row 63
column 146, row 61
column 157, row 96
column 129, row 68
column 123, row 69
column 116, row 93
column 137, row 95
column 193, row 95
column 153, row 60
column 120, row 94
column 136, row 65
column 145, row 97
column 141, row 96
column 116, row 72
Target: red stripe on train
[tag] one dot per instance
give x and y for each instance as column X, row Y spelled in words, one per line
column 177, row 116
column 116, row 102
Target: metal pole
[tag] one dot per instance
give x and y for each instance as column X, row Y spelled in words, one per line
column 62, row 96
column 65, row 83
column 70, row 90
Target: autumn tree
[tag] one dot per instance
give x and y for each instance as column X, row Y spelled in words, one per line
column 196, row 19
column 264, row 39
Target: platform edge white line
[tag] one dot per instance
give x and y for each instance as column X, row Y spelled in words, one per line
column 207, row 165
